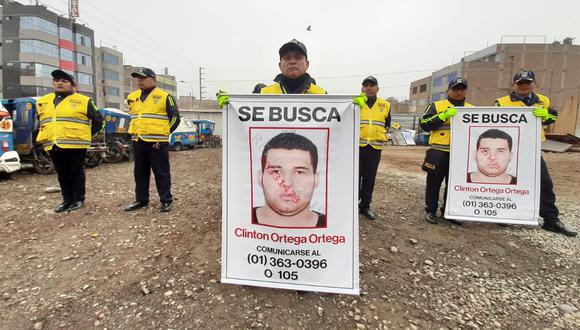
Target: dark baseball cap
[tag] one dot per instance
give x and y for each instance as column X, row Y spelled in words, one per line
column 59, row 74
column 144, row 73
column 370, row 79
column 457, row 81
column 524, row 75
column 293, row 45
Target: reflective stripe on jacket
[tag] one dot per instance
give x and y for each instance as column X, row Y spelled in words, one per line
column 66, row 125
column 373, row 124
column 149, row 120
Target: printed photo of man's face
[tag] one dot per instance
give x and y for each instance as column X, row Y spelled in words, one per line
column 493, row 156
column 288, row 180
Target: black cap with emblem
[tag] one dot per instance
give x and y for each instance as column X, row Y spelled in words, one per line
column 59, row 74
column 370, row 80
column 524, row 76
column 456, row 82
column 293, row 45
column 144, row 73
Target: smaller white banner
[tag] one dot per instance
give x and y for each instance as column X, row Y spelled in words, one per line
column 494, row 170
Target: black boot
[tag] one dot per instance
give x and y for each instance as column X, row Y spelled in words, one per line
column 431, row 217
column 557, row 226
column 62, row 206
column 135, row 206
column 76, row 206
column 367, row 213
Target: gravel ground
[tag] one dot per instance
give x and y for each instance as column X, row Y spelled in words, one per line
column 102, row 268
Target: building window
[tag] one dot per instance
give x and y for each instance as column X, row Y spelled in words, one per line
column 38, row 47
column 64, row 33
column 435, row 97
column 44, row 71
column 112, row 105
column 38, row 24
column 110, row 59
column 84, row 59
column 111, row 75
column 422, row 101
column 423, row 88
column 83, row 40
column 415, row 90
column 452, row 76
column 27, row 69
column 112, row 91
column 66, row 55
column 85, row 78
column 437, row 81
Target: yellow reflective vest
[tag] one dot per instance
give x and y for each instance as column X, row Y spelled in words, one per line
column 67, row 125
column 149, row 120
column 373, row 124
column 277, row 88
column 509, row 101
column 440, row 138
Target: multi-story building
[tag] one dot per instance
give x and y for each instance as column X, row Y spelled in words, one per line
column 490, row 72
column 36, row 41
column 420, row 94
column 110, row 78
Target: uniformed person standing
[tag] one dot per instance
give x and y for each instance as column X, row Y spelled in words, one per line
column 293, row 78
column 154, row 116
column 436, row 120
column 375, row 120
column 67, row 122
column 523, row 95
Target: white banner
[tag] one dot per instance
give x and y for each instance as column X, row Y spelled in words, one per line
column 290, row 192
column 494, row 171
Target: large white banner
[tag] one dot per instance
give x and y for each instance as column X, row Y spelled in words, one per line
column 494, row 172
column 290, row 192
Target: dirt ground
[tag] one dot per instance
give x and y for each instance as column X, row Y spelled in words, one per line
column 102, row 268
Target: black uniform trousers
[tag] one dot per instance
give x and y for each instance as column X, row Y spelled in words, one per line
column 548, row 209
column 434, row 181
column 71, row 174
column 152, row 156
column 369, row 159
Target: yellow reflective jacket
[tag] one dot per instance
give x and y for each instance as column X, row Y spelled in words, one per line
column 511, row 100
column 373, row 124
column 440, row 137
column 67, row 125
column 149, row 120
column 277, row 88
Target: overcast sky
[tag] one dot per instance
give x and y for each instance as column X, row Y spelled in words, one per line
column 237, row 42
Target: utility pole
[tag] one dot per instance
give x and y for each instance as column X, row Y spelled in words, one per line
column 201, row 86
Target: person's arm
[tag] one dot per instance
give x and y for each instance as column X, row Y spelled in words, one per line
column 496, row 103
column 430, row 119
column 96, row 118
column 172, row 113
column 388, row 121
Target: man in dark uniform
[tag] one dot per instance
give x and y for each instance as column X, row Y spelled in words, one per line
column 375, row 120
column 437, row 121
column 523, row 95
column 154, row 116
column 68, row 121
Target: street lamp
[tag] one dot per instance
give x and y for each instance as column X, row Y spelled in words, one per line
column 191, row 94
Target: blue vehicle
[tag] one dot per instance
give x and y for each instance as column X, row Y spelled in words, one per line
column 23, row 112
column 116, row 135
column 184, row 137
column 205, row 128
column 9, row 160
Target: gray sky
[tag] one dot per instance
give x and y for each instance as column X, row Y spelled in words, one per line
column 396, row 41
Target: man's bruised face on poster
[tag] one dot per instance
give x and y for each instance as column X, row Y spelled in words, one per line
column 288, row 180
column 493, row 156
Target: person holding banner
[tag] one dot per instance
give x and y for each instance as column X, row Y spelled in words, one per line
column 375, row 119
column 523, row 95
column 436, row 120
column 293, row 78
